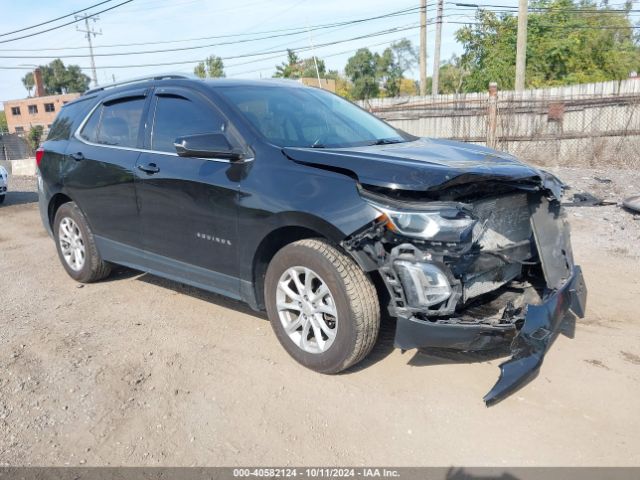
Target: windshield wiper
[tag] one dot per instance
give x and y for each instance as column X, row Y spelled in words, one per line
column 386, row 141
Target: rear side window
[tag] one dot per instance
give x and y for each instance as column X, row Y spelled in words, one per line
column 176, row 116
column 62, row 127
column 115, row 123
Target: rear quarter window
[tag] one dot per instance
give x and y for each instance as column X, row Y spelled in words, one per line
column 115, row 123
column 68, row 119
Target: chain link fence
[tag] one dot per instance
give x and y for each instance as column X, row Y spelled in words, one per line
column 582, row 125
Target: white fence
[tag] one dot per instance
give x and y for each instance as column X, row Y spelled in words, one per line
column 587, row 124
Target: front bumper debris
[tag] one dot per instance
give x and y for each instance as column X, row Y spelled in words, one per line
column 541, row 326
column 542, row 323
column 512, row 281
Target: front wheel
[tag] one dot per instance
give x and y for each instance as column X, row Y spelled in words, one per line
column 322, row 306
column 76, row 246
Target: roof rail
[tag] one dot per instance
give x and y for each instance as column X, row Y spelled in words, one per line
column 165, row 76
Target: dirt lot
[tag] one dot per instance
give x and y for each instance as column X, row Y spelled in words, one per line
column 137, row 370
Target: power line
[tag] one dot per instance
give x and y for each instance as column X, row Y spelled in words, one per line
column 64, row 24
column 248, row 55
column 292, row 31
column 54, row 19
column 197, row 47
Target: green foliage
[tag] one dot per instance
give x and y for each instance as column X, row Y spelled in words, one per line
column 34, row 136
column 212, row 67
column 3, row 122
column 295, row 67
column 568, row 42
column 58, row 78
column 28, row 82
column 452, row 75
column 369, row 71
column 362, row 70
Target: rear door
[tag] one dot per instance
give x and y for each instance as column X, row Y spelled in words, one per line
column 101, row 163
column 188, row 206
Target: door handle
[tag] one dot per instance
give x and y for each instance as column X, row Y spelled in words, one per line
column 151, row 168
column 77, row 156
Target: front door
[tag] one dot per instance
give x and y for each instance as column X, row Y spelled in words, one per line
column 188, row 206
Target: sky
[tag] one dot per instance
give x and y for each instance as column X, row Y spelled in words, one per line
column 192, row 23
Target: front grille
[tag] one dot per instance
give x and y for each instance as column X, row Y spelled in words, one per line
column 504, row 229
column 504, row 221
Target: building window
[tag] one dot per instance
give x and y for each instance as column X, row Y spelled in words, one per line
column 19, row 129
column 49, row 107
column 33, row 109
column 15, row 111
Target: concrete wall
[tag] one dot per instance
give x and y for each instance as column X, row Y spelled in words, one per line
column 26, row 166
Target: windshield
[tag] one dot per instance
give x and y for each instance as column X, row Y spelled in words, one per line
column 308, row 117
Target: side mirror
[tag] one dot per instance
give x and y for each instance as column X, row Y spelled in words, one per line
column 207, row 145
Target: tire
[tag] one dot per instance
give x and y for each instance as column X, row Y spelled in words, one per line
column 71, row 220
column 2, row 198
column 352, row 296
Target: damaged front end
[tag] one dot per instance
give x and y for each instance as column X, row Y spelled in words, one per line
column 474, row 266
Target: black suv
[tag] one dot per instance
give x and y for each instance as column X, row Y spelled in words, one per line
column 298, row 202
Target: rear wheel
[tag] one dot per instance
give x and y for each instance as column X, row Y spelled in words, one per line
column 2, row 198
column 322, row 306
column 76, row 245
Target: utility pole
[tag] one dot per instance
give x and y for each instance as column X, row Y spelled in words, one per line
column 521, row 46
column 436, row 54
column 423, row 47
column 89, row 31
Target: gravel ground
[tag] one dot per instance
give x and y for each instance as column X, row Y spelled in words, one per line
column 613, row 228
column 137, row 370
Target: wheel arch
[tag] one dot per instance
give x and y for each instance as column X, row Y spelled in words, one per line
column 290, row 228
column 55, row 203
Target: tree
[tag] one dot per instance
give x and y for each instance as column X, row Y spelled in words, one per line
column 568, row 42
column 3, row 122
column 370, row 71
column 212, row 67
column 58, row 78
column 34, row 136
column 362, row 70
column 295, row 67
column 28, row 82
column 408, row 87
column 343, row 87
column 452, row 76
column 405, row 54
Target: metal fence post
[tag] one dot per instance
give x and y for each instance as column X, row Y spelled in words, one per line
column 492, row 115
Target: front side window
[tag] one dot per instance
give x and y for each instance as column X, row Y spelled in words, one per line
column 308, row 117
column 177, row 116
column 33, row 109
column 115, row 123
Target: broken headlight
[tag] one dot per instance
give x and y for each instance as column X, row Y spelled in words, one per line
column 447, row 224
column 424, row 283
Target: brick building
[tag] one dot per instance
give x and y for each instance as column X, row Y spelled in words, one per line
column 38, row 110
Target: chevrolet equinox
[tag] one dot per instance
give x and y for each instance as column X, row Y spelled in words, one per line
column 296, row 201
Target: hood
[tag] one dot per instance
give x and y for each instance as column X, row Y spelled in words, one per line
column 422, row 165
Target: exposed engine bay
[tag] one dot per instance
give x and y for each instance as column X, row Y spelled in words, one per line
column 472, row 270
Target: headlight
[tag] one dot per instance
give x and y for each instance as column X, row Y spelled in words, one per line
column 424, row 283
column 447, row 224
